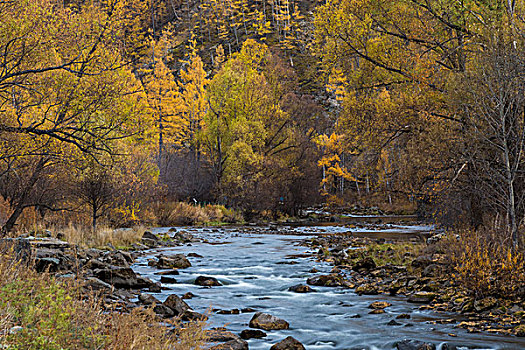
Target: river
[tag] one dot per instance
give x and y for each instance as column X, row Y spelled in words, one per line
column 256, row 271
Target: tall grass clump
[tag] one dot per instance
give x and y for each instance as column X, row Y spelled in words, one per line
column 181, row 213
column 103, row 236
column 486, row 264
column 39, row 311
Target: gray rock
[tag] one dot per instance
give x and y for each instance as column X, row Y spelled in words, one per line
column 122, row 277
column 289, row 343
column 414, row 345
column 207, row 281
column 175, row 303
column 252, row 333
column 332, row 280
column 301, row 288
column 97, row 285
column 235, row 344
column 177, row 261
column 148, row 299
column 164, row 311
column 268, row 322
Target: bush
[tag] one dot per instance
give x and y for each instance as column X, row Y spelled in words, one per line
column 486, row 264
column 38, row 311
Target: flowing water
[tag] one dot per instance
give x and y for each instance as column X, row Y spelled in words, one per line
column 256, row 271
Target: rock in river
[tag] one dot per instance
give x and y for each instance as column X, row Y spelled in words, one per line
column 175, row 303
column 177, row 261
column 267, row 322
column 235, row 344
column 421, row 297
column 207, row 281
column 301, row 288
column 379, row 305
column 289, row 343
column 414, row 345
column 252, row 333
column 332, row 280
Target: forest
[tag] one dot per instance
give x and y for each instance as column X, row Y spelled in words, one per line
column 111, row 109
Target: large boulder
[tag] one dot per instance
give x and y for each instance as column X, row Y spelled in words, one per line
column 175, row 303
column 206, row 281
column 181, row 309
column 177, row 261
column 268, row 322
column 122, row 277
column 289, row 343
column 332, row 280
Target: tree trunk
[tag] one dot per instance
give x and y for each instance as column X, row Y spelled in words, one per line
column 21, row 202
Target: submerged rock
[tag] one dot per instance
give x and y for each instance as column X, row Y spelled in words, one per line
column 289, row 343
column 268, row 322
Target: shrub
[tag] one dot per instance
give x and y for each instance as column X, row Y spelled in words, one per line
column 485, row 263
column 39, row 311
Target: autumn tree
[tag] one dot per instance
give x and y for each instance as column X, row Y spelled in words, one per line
column 64, row 90
column 251, row 141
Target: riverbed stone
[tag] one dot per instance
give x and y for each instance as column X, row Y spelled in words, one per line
column 367, row 289
column 177, row 261
column 121, row 277
column 207, row 281
column 175, row 303
column 167, row 279
column 163, row 311
column 188, row 295
column 268, row 322
column 252, row 333
column 332, row 280
column 301, row 288
column 421, row 297
column 519, row 331
column 414, row 345
column 148, row 299
column 288, row 343
column 379, row 305
column 172, row 272
column 485, row 304
column 235, row 344
column 364, row 264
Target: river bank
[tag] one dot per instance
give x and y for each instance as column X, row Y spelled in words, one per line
column 248, row 269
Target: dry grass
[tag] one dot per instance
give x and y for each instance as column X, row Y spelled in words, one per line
column 180, row 213
column 389, row 253
column 485, row 263
column 56, row 314
column 104, row 236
